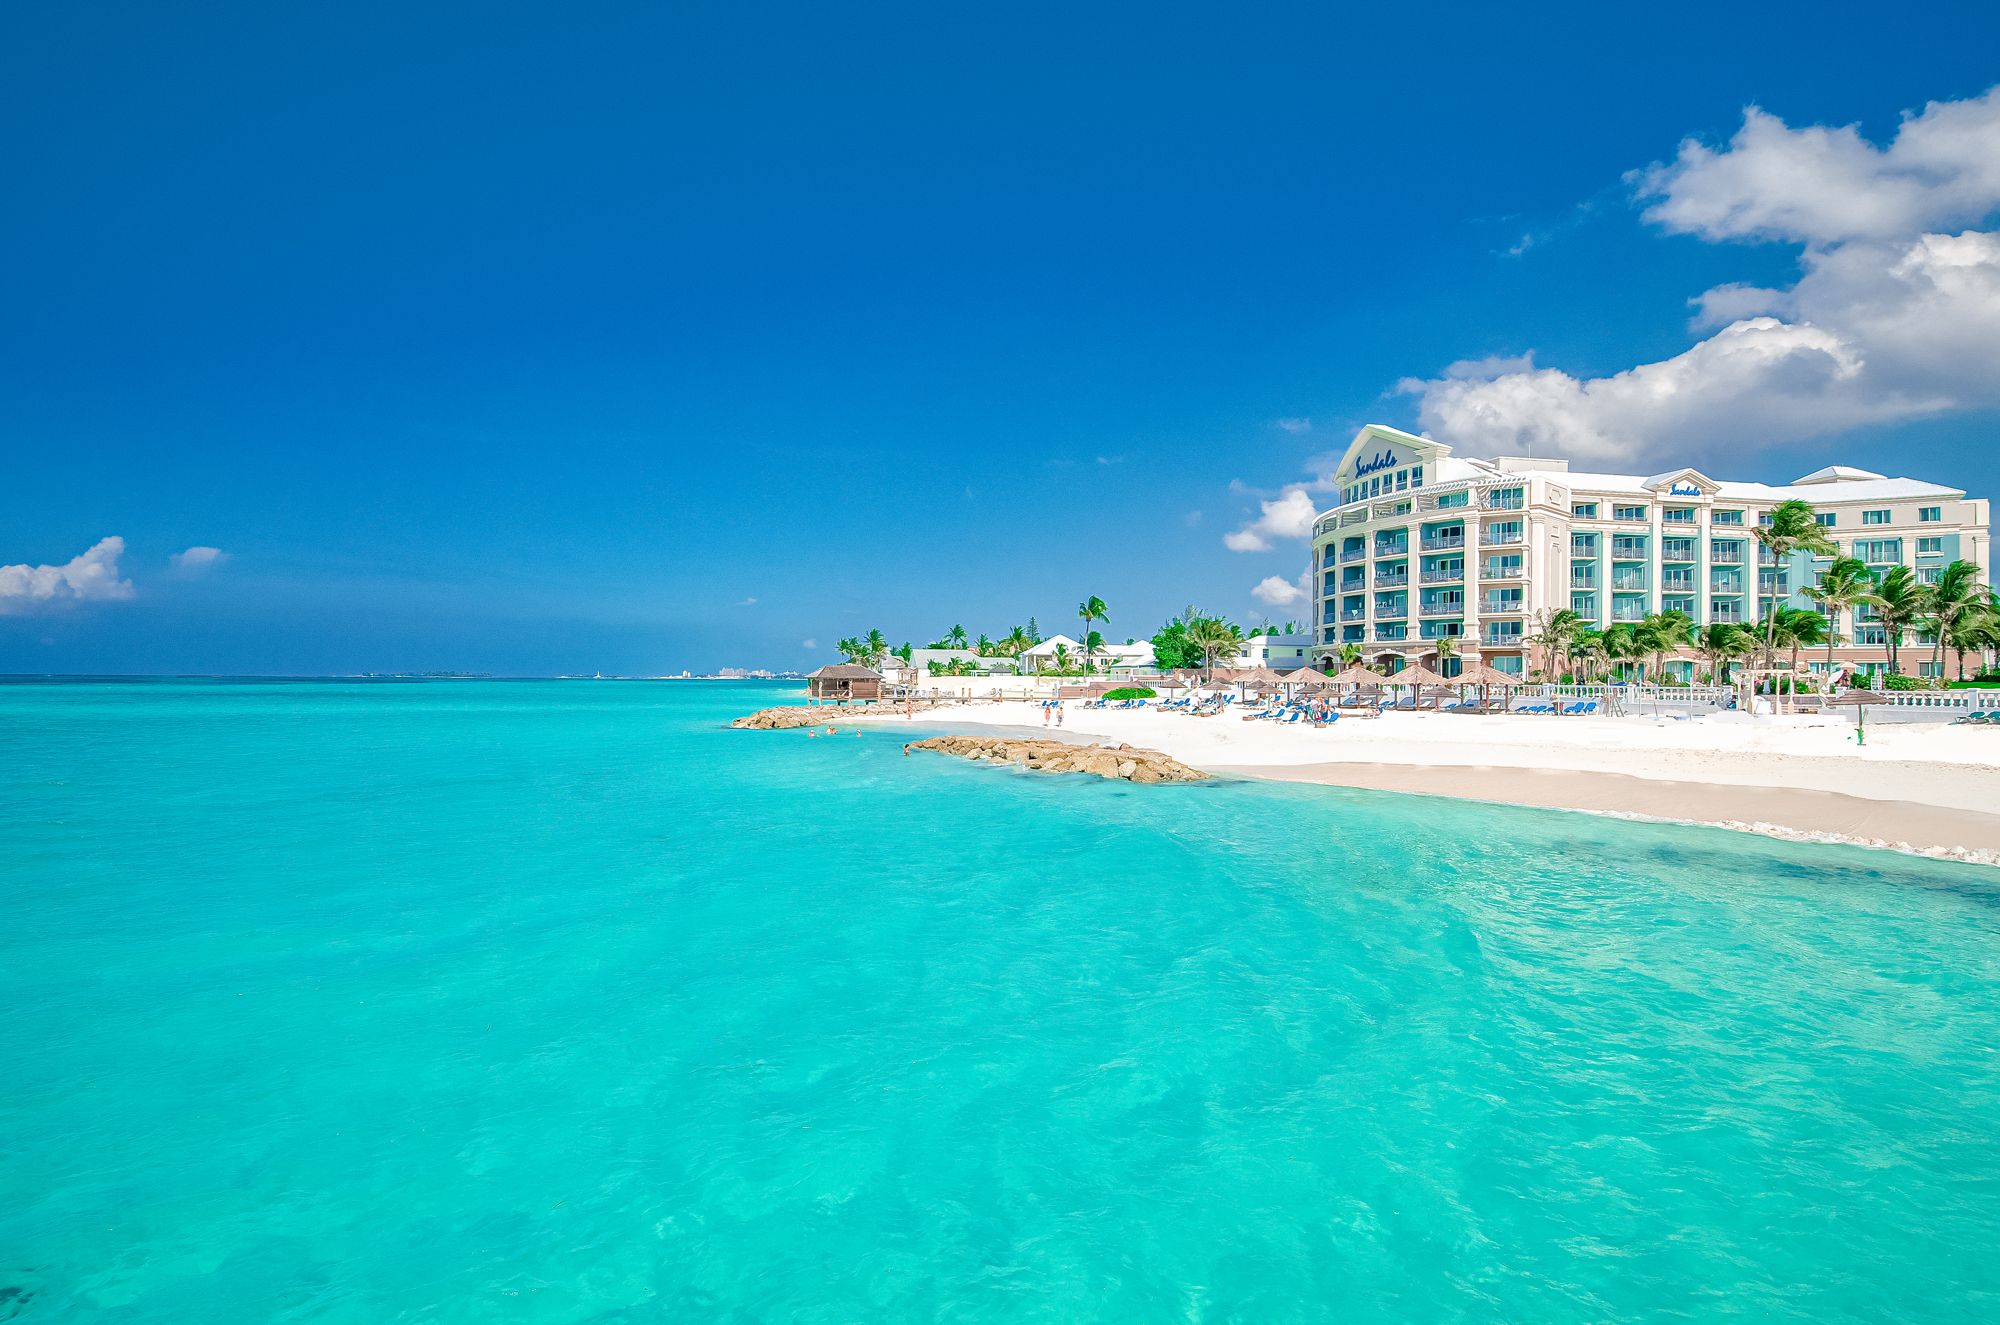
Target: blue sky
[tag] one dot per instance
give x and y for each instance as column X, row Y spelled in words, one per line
column 506, row 338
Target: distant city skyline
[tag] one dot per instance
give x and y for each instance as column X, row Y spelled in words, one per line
column 478, row 338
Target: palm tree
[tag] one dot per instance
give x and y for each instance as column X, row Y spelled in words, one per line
column 1794, row 527
column 1350, row 654
column 1956, row 594
column 1899, row 601
column 851, row 649
column 1586, row 646
column 876, row 648
column 1845, row 583
column 1978, row 628
column 1620, row 643
column 1721, row 642
column 1555, row 632
column 1447, row 649
column 1660, row 634
column 1090, row 609
column 1017, row 642
column 1212, row 636
column 956, row 638
column 1062, row 658
column 983, row 646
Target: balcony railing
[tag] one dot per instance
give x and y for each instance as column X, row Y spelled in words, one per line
column 1441, row 630
column 1729, row 616
column 1393, row 581
column 1677, row 584
column 1500, row 606
column 1495, row 637
column 1582, row 581
column 1503, row 570
column 1723, row 554
column 1628, row 614
column 1439, row 542
column 1353, row 554
column 1443, row 576
column 1724, row 585
column 1397, row 613
column 1629, row 583
column 1392, row 549
column 1442, row 609
column 1354, row 614
column 1628, row 551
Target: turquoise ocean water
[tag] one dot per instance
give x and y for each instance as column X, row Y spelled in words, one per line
column 558, row 1002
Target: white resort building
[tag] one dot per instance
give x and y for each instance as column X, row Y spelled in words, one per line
column 1425, row 544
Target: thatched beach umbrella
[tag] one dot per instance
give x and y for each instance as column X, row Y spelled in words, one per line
column 1415, row 675
column 1354, row 674
column 1485, row 676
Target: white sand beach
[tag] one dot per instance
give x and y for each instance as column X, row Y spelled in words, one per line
column 1928, row 788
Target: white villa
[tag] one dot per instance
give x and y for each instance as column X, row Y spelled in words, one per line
column 1124, row 657
column 1425, row 544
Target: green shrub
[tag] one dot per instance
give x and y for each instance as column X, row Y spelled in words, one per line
column 1129, row 692
column 1900, row 682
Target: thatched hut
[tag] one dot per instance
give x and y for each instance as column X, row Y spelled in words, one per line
column 844, row 683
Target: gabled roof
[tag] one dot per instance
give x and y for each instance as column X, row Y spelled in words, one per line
column 844, row 672
column 1683, row 475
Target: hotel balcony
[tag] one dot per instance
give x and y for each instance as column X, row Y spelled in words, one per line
column 1501, row 537
column 1441, row 630
column 1628, row 583
column 1442, row 609
column 1583, row 547
column 1496, row 636
column 1677, row 584
column 1393, row 580
column 1353, row 583
column 1512, row 606
column 1354, row 614
column 1577, row 581
column 1503, row 570
column 1353, row 554
column 1443, row 576
column 1444, row 542
column 1391, row 550
column 1628, row 551
column 1725, row 584
column 1391, row 635
column 1723, row 554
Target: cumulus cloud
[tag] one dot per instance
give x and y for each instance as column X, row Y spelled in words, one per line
column 1278, row 591
column 1888, row 320
column 1288, row 515
column 89, row 576
column 809, row 644
column 1296, row 425
column 198, row 559
column 1822, row 185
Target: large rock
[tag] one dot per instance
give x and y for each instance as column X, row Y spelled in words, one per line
column 1120, row 761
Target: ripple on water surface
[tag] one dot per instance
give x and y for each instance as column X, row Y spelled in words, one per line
column 559, row 1002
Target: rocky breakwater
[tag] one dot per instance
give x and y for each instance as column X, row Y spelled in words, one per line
column 1105, row 761
column 799, row 715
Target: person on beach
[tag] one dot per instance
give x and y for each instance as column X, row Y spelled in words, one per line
column 1045, row 713
column 1059, row 713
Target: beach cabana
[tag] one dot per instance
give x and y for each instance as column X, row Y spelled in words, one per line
column 1357, row 676
column 1259, row 678
column 844, row 683
column 1305, row 676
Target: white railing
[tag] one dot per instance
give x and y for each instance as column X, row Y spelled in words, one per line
column 1971, row 701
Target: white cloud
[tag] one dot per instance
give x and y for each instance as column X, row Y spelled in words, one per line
column 1278, row 592
column 746, row 602
column 1822, row 185
column 809, row 644
column 1296, row 425
column 1887, row 321
column 198, row 559
column 1289, row 515
column 90, row 576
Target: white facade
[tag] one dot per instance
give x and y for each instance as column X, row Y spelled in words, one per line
column 1132, row 656
column 1425, row 544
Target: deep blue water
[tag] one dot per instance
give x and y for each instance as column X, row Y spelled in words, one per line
column 540, row 1002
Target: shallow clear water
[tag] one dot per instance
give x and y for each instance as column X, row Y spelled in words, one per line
column 540, row 1002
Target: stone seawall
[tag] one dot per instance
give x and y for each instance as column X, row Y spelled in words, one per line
column 800, row 715
column 1105, row 761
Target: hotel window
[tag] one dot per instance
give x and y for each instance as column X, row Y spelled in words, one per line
column 1725, row 517
column 1677, row 549
column 1633, row 549
column 1452, row 499
column 1824, row 519
column 1879, row 551
column 1628, row 513
column 1678, row 515
column 1930, row 515
column 1402, row 480
column 1375, row 487
column 1929, row 574
column 1930, row 669
column 1930, row 545
column 1584, row 510
column 1506, row 532
column 1868, row 635
column 1583, row 545
column 1874, row 517
column 1505, row 499
column 1764, row 518
column 1583, row 604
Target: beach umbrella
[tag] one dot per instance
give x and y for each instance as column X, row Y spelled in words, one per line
column 1859, row 700
column 1415, row 676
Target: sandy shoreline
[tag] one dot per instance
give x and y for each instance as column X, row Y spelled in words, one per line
column 1930, row 789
